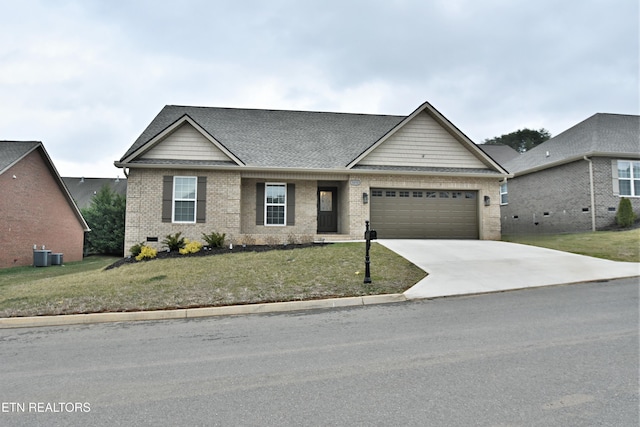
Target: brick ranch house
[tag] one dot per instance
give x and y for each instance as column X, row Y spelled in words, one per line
column 574, row 181
column 35, row 207
column 266, row 176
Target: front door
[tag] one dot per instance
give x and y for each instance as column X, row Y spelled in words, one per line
column 327, row 209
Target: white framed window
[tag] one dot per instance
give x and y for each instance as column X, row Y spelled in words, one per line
column 504, row 194
column 629, row 178
column 275, row 204
column 184, row 199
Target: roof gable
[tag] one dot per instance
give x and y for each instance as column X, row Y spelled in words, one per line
column 183, row 140
column 422, row 134
column 421, row 142
column 606, row 135
column 186, row 143
column 11, row 152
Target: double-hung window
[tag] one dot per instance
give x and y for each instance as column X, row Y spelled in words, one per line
column 504, row 194
column 275, row 204
column 184, row 199
column 629, row 178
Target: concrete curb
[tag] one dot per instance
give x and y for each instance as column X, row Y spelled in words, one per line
column 190, row 313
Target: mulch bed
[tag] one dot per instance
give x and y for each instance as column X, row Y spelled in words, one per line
column 206, row 251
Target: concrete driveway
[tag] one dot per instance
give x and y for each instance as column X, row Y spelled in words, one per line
column 459, row 267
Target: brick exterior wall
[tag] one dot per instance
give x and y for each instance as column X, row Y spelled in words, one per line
column 144, row 206
column 231, row 209
column 34, row 211
column 558, row 200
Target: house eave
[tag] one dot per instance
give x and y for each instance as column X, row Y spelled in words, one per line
column 344, row 171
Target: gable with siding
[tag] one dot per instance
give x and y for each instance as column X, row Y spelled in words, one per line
column 422, row 142
column 185, row 143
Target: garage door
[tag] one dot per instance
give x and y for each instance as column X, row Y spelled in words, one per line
column 424, row 214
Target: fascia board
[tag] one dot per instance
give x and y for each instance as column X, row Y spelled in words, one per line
column 171, row 128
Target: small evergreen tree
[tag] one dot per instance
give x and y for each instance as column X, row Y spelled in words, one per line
column 625, row 216
column 105, row 217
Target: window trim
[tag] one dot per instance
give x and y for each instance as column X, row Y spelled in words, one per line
column 504, row 193
column 266, row 204
column 635, row 192
column 194, row 200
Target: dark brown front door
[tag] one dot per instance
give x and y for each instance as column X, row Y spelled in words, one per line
column 327, row 209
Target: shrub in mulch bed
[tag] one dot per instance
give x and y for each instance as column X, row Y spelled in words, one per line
column 207, row 251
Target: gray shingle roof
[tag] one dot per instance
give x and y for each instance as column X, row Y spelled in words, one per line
column 600, row 134
column 83, row 189
column 274, row 138
column 11, row 151
column 499, row 153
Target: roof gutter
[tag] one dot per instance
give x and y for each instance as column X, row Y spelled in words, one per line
column 345, row 171
column 591, row 191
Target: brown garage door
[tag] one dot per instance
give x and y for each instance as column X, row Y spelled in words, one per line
column 424, row 214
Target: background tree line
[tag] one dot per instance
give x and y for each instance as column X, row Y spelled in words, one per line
column 521, row 140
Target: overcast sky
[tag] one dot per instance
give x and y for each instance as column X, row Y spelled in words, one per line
column 86, row 77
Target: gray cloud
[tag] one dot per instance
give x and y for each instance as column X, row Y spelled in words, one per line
column 86, row 77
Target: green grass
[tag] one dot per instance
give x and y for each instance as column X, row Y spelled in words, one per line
column 612, row 245
column 335, row 270
column 14, row 275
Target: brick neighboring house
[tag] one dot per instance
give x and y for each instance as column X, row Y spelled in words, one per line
column 269, row 176
column 573, row 182
column 35, row 207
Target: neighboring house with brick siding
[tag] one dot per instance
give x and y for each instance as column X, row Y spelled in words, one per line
column 574, row 181
column 35, row 207
column 268, row 176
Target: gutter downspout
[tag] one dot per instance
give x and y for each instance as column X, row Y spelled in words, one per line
column 593, row 201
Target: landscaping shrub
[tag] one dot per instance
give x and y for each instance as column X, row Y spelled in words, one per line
column 190, row 247
column 214, row 240
column 135, row 249
column 625, row 216
column 147, row 252
column 174, row 242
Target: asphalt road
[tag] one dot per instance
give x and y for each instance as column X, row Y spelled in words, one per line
column 556, row 356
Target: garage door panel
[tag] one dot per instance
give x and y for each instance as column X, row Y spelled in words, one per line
column 424, row 213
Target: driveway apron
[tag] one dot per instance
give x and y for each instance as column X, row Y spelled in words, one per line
column 459, row 267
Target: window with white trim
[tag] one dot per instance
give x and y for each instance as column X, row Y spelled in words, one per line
column 504, row 194
column 184, row 198
column 629, row 178
column 275, row 204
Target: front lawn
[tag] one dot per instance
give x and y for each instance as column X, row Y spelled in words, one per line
column 334, row 270
column 613, row 245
